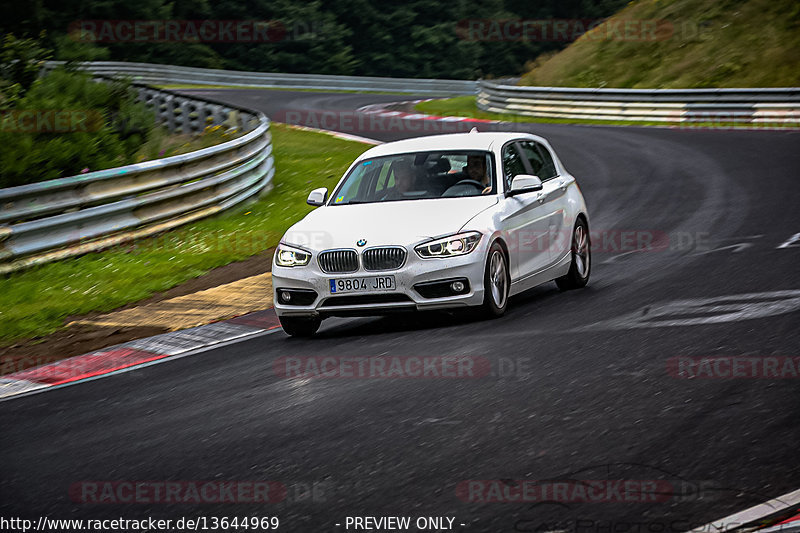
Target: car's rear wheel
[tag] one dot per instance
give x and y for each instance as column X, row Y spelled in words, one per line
column 300, row 326
column 496, row 282
column 580, row 266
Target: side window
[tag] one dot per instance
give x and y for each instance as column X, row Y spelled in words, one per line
column 512, row 164
column 548, row 167
column 540, row 159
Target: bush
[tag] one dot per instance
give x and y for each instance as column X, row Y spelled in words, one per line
column 117, row 126
column 20, row 63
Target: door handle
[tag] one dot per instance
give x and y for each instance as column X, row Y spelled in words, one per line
column 542, row 197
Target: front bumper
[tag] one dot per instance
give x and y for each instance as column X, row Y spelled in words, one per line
column 415, row 271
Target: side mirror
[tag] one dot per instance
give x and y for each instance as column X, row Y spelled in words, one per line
column 318, row 196
column 523, row 183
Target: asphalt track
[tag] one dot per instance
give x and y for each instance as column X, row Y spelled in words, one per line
column 595, row 400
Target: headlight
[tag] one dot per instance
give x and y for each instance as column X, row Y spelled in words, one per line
column 288, row 256
column 460, row 244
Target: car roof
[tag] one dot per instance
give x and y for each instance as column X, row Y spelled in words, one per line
column 451, row 141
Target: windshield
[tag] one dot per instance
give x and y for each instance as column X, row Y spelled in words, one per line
column 419, row 175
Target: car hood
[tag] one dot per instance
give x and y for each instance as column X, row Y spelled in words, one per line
column 385, row 223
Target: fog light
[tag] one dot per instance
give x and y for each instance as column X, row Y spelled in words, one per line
column 457, row 286
column 286, row 296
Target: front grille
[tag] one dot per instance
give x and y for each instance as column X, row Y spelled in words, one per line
column 366, row 299
column 338, row 261
column 389, row 258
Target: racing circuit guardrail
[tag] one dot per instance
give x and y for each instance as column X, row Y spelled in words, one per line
column 752, row 106
column 504, row 96
column 51, row 220
column 170, row 74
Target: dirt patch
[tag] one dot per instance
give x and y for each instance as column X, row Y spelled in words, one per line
column 78, row 339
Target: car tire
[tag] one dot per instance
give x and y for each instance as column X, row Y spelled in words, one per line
column 496, row 282
column 581, row 251
column 300, row 326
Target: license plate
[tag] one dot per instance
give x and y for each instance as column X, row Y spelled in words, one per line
column 370, row 284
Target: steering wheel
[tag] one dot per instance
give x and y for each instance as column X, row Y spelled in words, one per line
column 463, row 188
column 476, row 183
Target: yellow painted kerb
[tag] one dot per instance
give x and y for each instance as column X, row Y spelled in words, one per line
column 202, row 307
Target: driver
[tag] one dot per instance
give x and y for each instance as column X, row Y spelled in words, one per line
column 404, row 178
column 476, row 170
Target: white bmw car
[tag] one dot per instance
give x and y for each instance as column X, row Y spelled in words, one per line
column 434, row 222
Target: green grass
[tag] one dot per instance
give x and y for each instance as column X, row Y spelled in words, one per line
column 699, row 43
column 465, row 106
column 37, row 301
column 161, row 143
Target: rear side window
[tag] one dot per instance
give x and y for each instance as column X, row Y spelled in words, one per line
column 512, row 164
column 540, row 160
